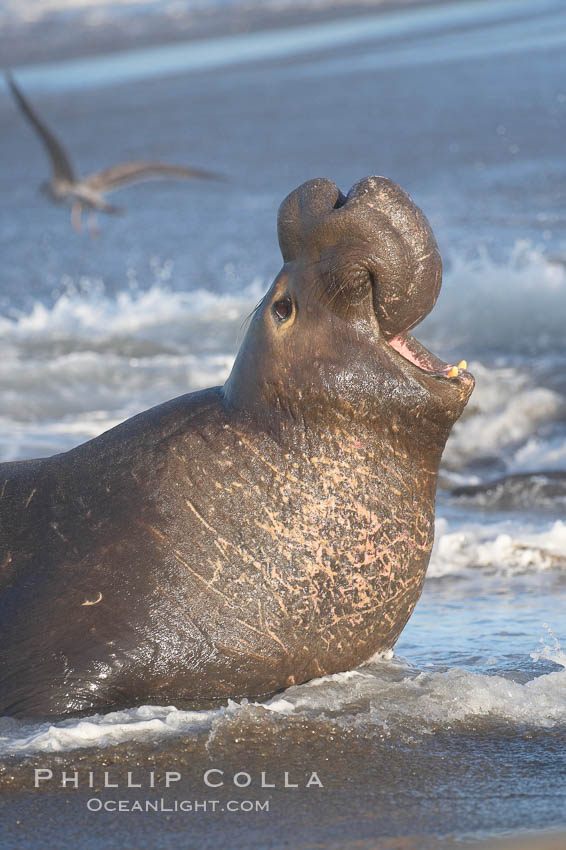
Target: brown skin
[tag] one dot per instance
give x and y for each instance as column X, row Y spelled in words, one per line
column 235, row 541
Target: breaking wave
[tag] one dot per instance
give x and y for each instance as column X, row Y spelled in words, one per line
column 71, row 368
column 506, row 547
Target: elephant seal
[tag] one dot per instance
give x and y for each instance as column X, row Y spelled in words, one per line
column 238, row 540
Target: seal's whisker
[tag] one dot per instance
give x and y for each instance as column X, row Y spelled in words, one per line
column 248, row 318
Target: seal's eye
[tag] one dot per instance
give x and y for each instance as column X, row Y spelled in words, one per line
column 282, row 309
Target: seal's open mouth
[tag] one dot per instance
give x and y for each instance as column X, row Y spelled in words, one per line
column 411, row 349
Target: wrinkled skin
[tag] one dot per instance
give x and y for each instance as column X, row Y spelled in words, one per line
column 238, row 540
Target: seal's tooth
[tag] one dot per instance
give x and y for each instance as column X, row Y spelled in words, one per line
column 463, row 364
column 453, row 372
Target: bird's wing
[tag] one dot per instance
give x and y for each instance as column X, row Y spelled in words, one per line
column 130, row 172
column 59, row 159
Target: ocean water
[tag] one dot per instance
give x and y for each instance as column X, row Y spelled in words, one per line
column 464, row 104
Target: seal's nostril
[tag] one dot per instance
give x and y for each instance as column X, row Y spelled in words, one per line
column 340, row 201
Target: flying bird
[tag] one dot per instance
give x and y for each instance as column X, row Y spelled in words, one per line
column 64, row 187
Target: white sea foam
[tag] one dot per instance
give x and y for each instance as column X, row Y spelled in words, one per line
column 52, row 405
column 516, row 306
column 540, row 453
column 135, row 724
column 83, row 313
column 73, row 369
column 505, row 415
column 381, row 695
column 506, row 547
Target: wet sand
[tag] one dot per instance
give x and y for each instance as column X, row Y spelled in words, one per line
column 379, row 790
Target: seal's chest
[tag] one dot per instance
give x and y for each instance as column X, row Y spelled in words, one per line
column 342, row 538
column 328, row 546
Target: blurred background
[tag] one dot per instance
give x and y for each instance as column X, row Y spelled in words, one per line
column 463, row 104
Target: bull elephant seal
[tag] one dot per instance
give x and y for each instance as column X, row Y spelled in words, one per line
column 235, row 541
